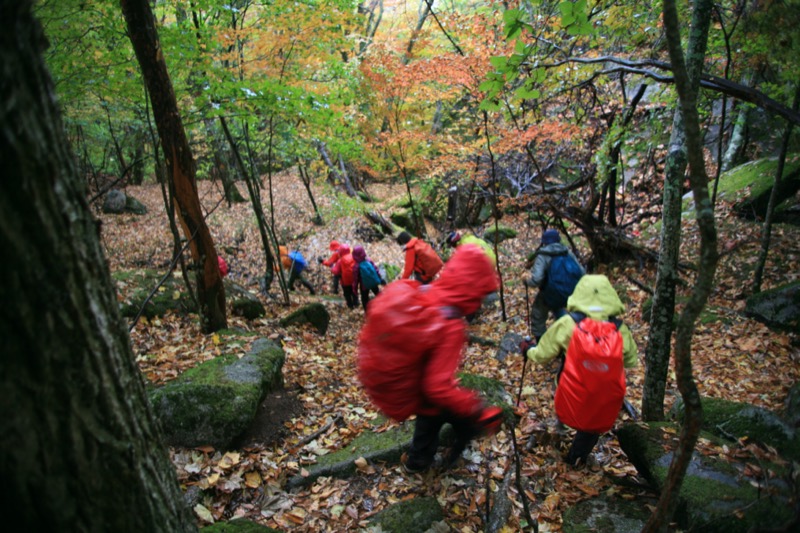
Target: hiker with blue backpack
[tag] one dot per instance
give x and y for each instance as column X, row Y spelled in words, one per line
column 366, row 276
column 295, row 263
column 555, row 272
column 595, row 347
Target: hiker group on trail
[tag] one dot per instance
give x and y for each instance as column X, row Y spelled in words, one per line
column 414, row 334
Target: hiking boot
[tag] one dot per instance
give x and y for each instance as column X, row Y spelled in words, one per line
column 414, row 467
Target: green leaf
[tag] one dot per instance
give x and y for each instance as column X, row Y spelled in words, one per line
column 499, row 62
column 527, row 94
column 490, row 104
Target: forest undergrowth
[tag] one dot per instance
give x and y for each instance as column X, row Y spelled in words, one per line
column 733, row 358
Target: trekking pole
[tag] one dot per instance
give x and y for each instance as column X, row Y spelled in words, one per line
column 522, row 377
column 528, row 311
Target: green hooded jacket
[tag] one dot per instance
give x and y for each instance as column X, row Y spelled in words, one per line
column 596, row 298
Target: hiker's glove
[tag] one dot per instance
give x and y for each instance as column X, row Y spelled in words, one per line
column 489, row 420
column 526, row 345
column 320, row 260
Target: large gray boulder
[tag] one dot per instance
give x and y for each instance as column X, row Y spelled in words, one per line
column 778, row 307
column 215, row 402
column 117, row 202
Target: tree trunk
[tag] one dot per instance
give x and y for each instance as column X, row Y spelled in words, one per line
column 766, row 232
column 180, row 163
column 687, row 77
column 659, row 345
column 81, row 450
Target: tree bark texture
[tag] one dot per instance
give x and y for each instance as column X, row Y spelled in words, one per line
column 659, row 346
column 80, row 449
column 180, row 162
column 687, row 74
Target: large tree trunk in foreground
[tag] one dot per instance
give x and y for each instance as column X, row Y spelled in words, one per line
column 80, row 450
column 180, row 162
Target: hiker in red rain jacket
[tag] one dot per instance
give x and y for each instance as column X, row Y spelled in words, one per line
column 411, row 346
column 330, row 262
column 421, row 260
column 344, row 268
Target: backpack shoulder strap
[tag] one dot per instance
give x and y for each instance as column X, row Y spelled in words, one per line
column 577, row 316
column 616, row 321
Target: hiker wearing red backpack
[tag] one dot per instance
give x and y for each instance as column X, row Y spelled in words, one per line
column 421, row 260
column 411, row 346
column 555, row 271
column 344, row 269
column 330, row 262
column 366, row 277
column 597, row 347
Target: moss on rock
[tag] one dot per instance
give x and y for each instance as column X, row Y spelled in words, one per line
column 606, row 514
column 214, row 402
column 503, row 233
column 136, row 285
column 778, row 307
column 416, row 515
column 725, row 418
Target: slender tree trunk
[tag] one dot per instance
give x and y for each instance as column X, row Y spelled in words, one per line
column 80, row 449
column 306, row 179
column 686, row 75
column 659, row 345
column 180, row 163
column 264, row 231
column 766, row 232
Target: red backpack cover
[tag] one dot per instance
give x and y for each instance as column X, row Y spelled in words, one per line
column 591, row 388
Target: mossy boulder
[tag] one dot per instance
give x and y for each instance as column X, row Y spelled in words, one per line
column 778, row 307
column 750, row 184
column 136, row 285
column 238, row 525
column 134, row 206
column 117, row 202
column 243, row 302
column 215, row 402
column 502, row 232
column 716, row 496
column 417, row 515
column 314, row 314
column 738, row 420
column 608, row 514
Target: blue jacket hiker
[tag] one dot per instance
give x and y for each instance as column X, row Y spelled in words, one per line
column 366, row 276
column 555, row 271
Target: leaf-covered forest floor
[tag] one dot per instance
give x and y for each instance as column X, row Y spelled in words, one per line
column 733, row 358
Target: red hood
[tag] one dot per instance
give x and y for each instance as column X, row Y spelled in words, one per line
column 464, row 281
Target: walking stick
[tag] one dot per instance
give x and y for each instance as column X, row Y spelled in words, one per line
column 527, row 339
